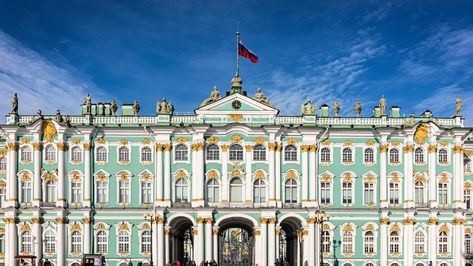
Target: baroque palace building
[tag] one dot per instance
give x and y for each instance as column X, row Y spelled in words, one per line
column 236, row 183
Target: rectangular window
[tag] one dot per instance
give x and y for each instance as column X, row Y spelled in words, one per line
column 369, row 193
column 76, row 193
column 25, row 192
column 347, row 192
column 443, row 193
column 124, row 192
column 3, row 195
column 146, row 193
column 393, row 193
column 325, row 192
column 102, row 196
column 467, row 195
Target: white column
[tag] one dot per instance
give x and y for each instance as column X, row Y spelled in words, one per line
column 61, row 168
column 277, row 169
column 167, row 175
column 61, row 240
column 11, row 248
column 224, row 161
column 312, row 174
column 271, row 241
column 317, row 242
column 383, row 149
column 383, row 249
column 155, row 240
column 408, row 170
column 258, row 257
column 432, row 250
column 248, row 174
column 37, row 238
column 305, row 174
column 272, row 175
column 408, row 241
column 458, row 240
column 432, row 175
column 87, row 174
column 37, row 174
column 306, row 246
column 198, row 174
column 215, row 243
column 201, row 238
column 459, row 175
column 159, row 175
column 278, row 233
column 12, row 182
column 311, row 255
column 264, row 243
column 87, row 232
column 167, row 232
column 208, row 239
column 160, row 247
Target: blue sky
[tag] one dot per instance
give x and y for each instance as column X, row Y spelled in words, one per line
column 416, row 53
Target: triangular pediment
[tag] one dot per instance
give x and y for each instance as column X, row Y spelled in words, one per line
column 237, row 104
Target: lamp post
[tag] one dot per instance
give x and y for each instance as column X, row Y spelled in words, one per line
column 335, row 242
column 151, row 216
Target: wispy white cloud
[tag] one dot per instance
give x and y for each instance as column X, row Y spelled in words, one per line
column 40, row 83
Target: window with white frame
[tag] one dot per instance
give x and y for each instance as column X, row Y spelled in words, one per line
column 467, row 165
column 181, row 153
column 146, row 241
column 443, row 193
column 326, row 241
column 182, row 190
column 442, row 156
column 146, row 155
column 213, row 152
column 347, row 242
column 50, row 195
column 443, row 242
column 290, row 153
column 347, row 192
column 394, row 243
column 3, row 196
column 393, row 193
column 102, row 191
column 419, row 194
column 25, row 154
column 325, row 155
column 394, row 156
column 2, row 243
column 102, row 242
column 369, row 155
column 213, row 189
column 49, row 241
column 259, row 191
column 3, row 163
column 259, row 153
column 369, row 264
column 235, row 152
column 236, row 190
column 76, row 242
column 467, row 198
column 50, row 153
column 369, row 193
column 123, row 242
column 101, row 154
column 419, row 155
column 369, row 242
column 146, row 192
column 444, row 264
column 124, row 191
column 123, row 154
column 347, row 155
column 325, row 191
column 419, row 242
column 76, row 192
column 468, row 246
column 26, row 241
column 25, row 192
column 290, row 191
column 76, row 154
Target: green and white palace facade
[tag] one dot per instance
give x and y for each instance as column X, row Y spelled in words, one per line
column 236, row 183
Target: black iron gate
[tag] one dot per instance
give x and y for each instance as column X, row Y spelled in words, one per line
column 236, row 247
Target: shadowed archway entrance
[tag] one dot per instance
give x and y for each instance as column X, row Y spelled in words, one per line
column 236, row 243
column 182, row 244
column 290, row 246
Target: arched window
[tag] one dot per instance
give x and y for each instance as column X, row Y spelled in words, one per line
column 259, row 192
column 102, row 191
column 182, row 190
column 419, row 194
column 76, row 154
column 394, row 243
column 369, row 242
column 123, row 154
column 101, row 154
column 259, row 153
column 347, row 155
column 290, row 153
column 347, row 242
column 419, row 242
column 369, row 155
column 146, row 155
column 76, row 192
column 347, row 192
column 25, row 154
column 393, row 193
column 49, row 241
column 443, row 242
column 76, row 242
column 443, row 193
column 123, row 242
column 235, row 152
column 26, row 242
column 102, row 242
column 25, row 192
column 325, row 155
column 290, row 191
column 3, row 163
column 50, row 153
column 467, row 165
column 146, row 192
column 75, row 264
column 181, row 153
column 2, row 243
column 213, row 152
column 419, row 155
column 236, row 190
column 124, row 191
column 146, row 241
column 420, row 264
column 394, row 156
column 443, row 156
column 468, row 239
column 369, row 264
column 213, row 189
column 394, row 264
column 50, row 196
column 443, row 264
column 467, row 198
column 326, row 241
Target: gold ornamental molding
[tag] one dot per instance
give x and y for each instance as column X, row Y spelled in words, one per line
column 101, row 141
column 167, row 147
column 459, row 221
column 304, row 148
column 61, row 146
column 384, row 221
column 291, row 141
column 86, row 220
column 272, row 146
column 87, row 146
column 181, row 174
column 326, row 142
column 3, row 153
column 212, row 174
column 235, row 117
column 248, row 148
column 312, row 148
column 12, row 146
column 236, row 138
column 146, row 141
column 291, row 174
column 49, row 130
column 409, row 148
column 198, row 146
column 224, row 147
column 123, row 142
column 395, row 143
column 159, row 147
column 457, row 149
column 213, row 140
column 409, row 221
column 370, row 142
column 259, row 140
column 259, row 174
column 61, row 220
column 421, row 133
column 432, row 148
column 444, row 228
column 383, row 148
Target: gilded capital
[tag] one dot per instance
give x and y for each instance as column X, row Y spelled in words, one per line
column 383, row 148
column 313, row 148
column 61, row 146
column 457, row 149
column 167, row 147
column 87, row 146
column 263, row 220
column 224, row 147
column 384, row 221
column 249, row 148
column 409, row 221
column 272, row 146
column 61, row 220
column 433, row 221
column 159, row 147
column 304, row 148
column 432, row 148
column 12, row 146
column 36, row 220
column 86, row 220
column 37, row 146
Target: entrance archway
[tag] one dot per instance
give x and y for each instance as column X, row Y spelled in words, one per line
column 236, row 242
column 290, row 248
column 182, row 241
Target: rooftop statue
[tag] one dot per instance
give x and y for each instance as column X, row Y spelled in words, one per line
column 458, row 106
column 59, row 117
column 38, row 116
column 164, row 107
column 358, row 108
column 308, row 108
column 113, row 107
column 382, row 105
column 14, row 103
column 214, row 96
column 88, row 104
column 259, row 96
column 336, row 108
column 136, row 107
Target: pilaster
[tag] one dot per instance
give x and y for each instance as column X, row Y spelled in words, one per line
column 86, row 221
column 305, row 174
column 208, row 239
column 272, row 174
column 167, row 175
column 61, row 168
column 383, row 247
column 160, row 242
column 11, row 247
column 37, row 185
column 432, row 175
column 198, row 174
column 12, row 168
column 248, row 174
column 87, row 173
column 408, row 172
column 159, row 175
column 61, row 222
column 383, row 186
column 271, row 240
column 432, row 231
column 408, row 237
column 215, row 243
column 263, row 242
column 459, row 174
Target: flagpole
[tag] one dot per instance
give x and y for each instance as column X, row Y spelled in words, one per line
column 237, row 55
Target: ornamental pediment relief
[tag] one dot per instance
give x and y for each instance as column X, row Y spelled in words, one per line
column 236, row 104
